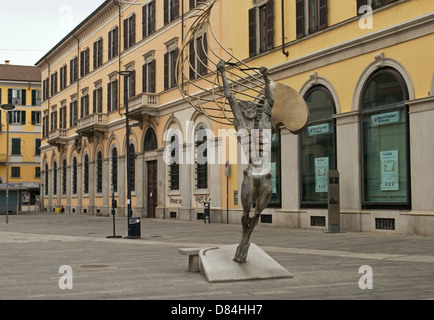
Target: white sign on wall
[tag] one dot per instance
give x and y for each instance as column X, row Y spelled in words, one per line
column 321, row 173
column 389, row 170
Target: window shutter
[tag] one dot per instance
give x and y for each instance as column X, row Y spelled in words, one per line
column 33, row 97
column 300, row 18
column 152, row 4
column 166, row 12
column 115, row 42
column 33, row 117
column 174, row 71
column 144, row 79
column 133, row 83
column 115, row 93
column 361, row 3
column 100, row 100
column 153, row 75
column 23, row 117
column 94, row 101
column 322, row 14
column 110, row 45
column 109, row 98
column 23, row 97
column 95, row 52
column 87, row 61
column 100, row 46
column 81, row 63
column 192, row 4
column 144, row 21
column 270, row 24
column 192, row 60
column 133, row 29
column 176, row 9
column 252, row 32
column 10, row 96
column 125, row 34
column 166, row 71
column 204, row 55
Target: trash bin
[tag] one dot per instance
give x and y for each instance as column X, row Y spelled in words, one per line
column 206, row 212
column 134, row 228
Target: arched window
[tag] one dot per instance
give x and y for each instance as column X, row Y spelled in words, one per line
column 99, row 172
column 74, row 176
column 86, row 174
column 385, row 141
column 46, row 179
column 64, row 177
column 318, row 147
column 174, row 166
column 132, row 173
column 114, row 173
column 201, row 158
column 55, row 178
column 150, row 140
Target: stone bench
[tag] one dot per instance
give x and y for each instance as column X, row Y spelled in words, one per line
column 193, row 258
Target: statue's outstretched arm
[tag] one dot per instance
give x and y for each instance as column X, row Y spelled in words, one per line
column 268, row 93
column 227, row 91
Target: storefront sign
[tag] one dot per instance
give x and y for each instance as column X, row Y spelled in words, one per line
column 389, row 170
column 321, row 173
column 386, row 118
column 318, row 129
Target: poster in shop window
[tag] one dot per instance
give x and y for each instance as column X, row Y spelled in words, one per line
column 321, row 173
column 389, row 170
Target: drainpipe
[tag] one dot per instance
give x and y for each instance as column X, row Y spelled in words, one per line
column 116, row 2
column 286, row 53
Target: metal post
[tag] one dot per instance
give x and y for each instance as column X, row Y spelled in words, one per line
column 7, row 167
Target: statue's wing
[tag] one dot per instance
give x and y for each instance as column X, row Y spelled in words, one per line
column 289, row 109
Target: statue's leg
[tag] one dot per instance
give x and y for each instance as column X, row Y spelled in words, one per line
column 247, row 188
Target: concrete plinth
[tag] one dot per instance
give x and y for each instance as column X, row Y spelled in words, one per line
column 217, row 265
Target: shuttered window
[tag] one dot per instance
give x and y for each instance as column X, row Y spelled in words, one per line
column 261, row 28
column 112, row 96
column 311, row 16
column 171, row 10
column 149, row 77
column 16, row 146
column 84, row 62
column 97, row 53
column 170, row 69
column 148, row 21
column 198, row 57
column 129, row 31
column 113, row 42
column 73, row 70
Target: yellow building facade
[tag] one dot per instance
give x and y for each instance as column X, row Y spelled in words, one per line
column 20, row 86
column 363, row 67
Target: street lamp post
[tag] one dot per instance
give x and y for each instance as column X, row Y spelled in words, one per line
column 7, row 107
column 126, row 75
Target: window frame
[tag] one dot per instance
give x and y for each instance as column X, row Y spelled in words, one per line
column 261, row 39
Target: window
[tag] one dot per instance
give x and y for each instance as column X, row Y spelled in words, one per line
column 86, row 174
column 36, row 117
column 63, row 73
column 15, row 172
column 201, row 159
column 17, row 117
column 372, row 3
column 112, row 96
column 54, row 120
column 385, row 141
column 148, row 14
column 129, row 31
column 62, row 117
column 46, row 180
column 17, row 97
column 132, row 172
column 97, row 53
column 84, row 105
column 45, row 127
column 53, row 83
column 36, row 97
column 170, row 69
column 275, row 170
column 311, row 16
column 97, row 100
column 73, row 114
column 64, row 177
column 45, row 89
column 318, row 147
column 113, row 43
column 198, row 57
column 55, row 178
column 84, row 62
column 99, row 172
column 37, row 147
column 195, row 3
column 73, row 70
column 150, row 140
column 149, row 77
column 261, row 28
column 114, row 173
column 171, row 10
column 37, row 172
column 174, row 166
column 16, row 146
column 130, row 85
column 74, row 176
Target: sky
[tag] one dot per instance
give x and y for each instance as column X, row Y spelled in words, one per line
column 30, row 28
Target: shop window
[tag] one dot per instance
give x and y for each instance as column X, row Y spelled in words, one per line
column 132, row 165
column 86, row 174
column 55, row 178
column 99, row 172
column 385, row 141
column 114, row 173
column 201, row 159
column 318, row 147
